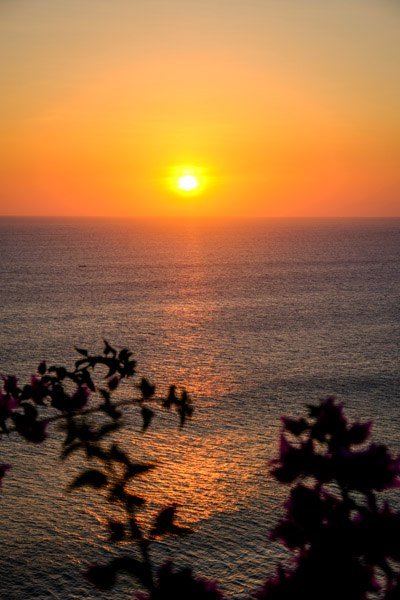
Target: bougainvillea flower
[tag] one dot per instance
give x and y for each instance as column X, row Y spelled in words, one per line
column 370, row 469
column 293, row 460
column 80, row 398
column 7, row 405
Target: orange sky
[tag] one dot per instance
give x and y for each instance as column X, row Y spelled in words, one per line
column 289, row 108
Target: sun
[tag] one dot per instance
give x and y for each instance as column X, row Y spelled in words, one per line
column 188, row 183
column 188, row 180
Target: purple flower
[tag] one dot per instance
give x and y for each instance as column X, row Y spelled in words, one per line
column 294, row 460
column 379, row 534
column 295, row 426
column 7, row 405
column 79, row 398
column 359, row 432
column 308, row 511
column 341, row 535
column 329, row 419
column 367, row 470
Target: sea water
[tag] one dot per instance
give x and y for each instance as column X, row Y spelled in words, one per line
column 254, row 318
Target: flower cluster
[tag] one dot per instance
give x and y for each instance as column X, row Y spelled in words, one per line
column 346, row 542
column 55, row 387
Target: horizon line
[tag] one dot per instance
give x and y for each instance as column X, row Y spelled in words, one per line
column 196, row 217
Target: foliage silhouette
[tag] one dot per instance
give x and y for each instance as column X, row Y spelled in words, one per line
column 73, row 397
column 345, row 540
column 343, row 537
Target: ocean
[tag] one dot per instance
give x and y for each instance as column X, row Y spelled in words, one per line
column 255, row 318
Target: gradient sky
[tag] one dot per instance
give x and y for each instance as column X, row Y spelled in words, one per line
column 289, row 107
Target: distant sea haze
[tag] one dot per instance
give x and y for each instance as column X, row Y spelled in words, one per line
column 255, row 318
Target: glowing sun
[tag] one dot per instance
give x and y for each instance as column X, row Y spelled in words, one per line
column 187, row 183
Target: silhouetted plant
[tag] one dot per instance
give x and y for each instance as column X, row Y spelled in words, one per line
column 344, row 538
column 73, row 397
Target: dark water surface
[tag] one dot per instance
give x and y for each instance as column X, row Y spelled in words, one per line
column 254, row 317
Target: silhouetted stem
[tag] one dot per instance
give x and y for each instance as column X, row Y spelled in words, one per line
column 86, row 411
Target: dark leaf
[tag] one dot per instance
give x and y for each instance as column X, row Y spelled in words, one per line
column 71, row 449
column 118, row 492
column 147, row 388
column 117, row 531
column 91, row 478
column 124, row 355
column 94, row 451
column 171, row 398
column 129, row 368
column 147, row 415
column 42, row 368
column 29, row 410
column 32, row 430
column 119, row 455
column 164, row 521
column 102, row 576
column 26, row 392
column 60, row 372
column 108, row 349
column 135, row 469
column 135, row 529
column 107, row 429
column 134, row 501
column 82, row 351
column 110, row 410
column 86, row 379
column 113, row 383
column 105, row 394
column 112, row 367
column 80, row 362
column 72, row 431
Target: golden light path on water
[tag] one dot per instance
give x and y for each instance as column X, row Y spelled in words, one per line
column 203, row 470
